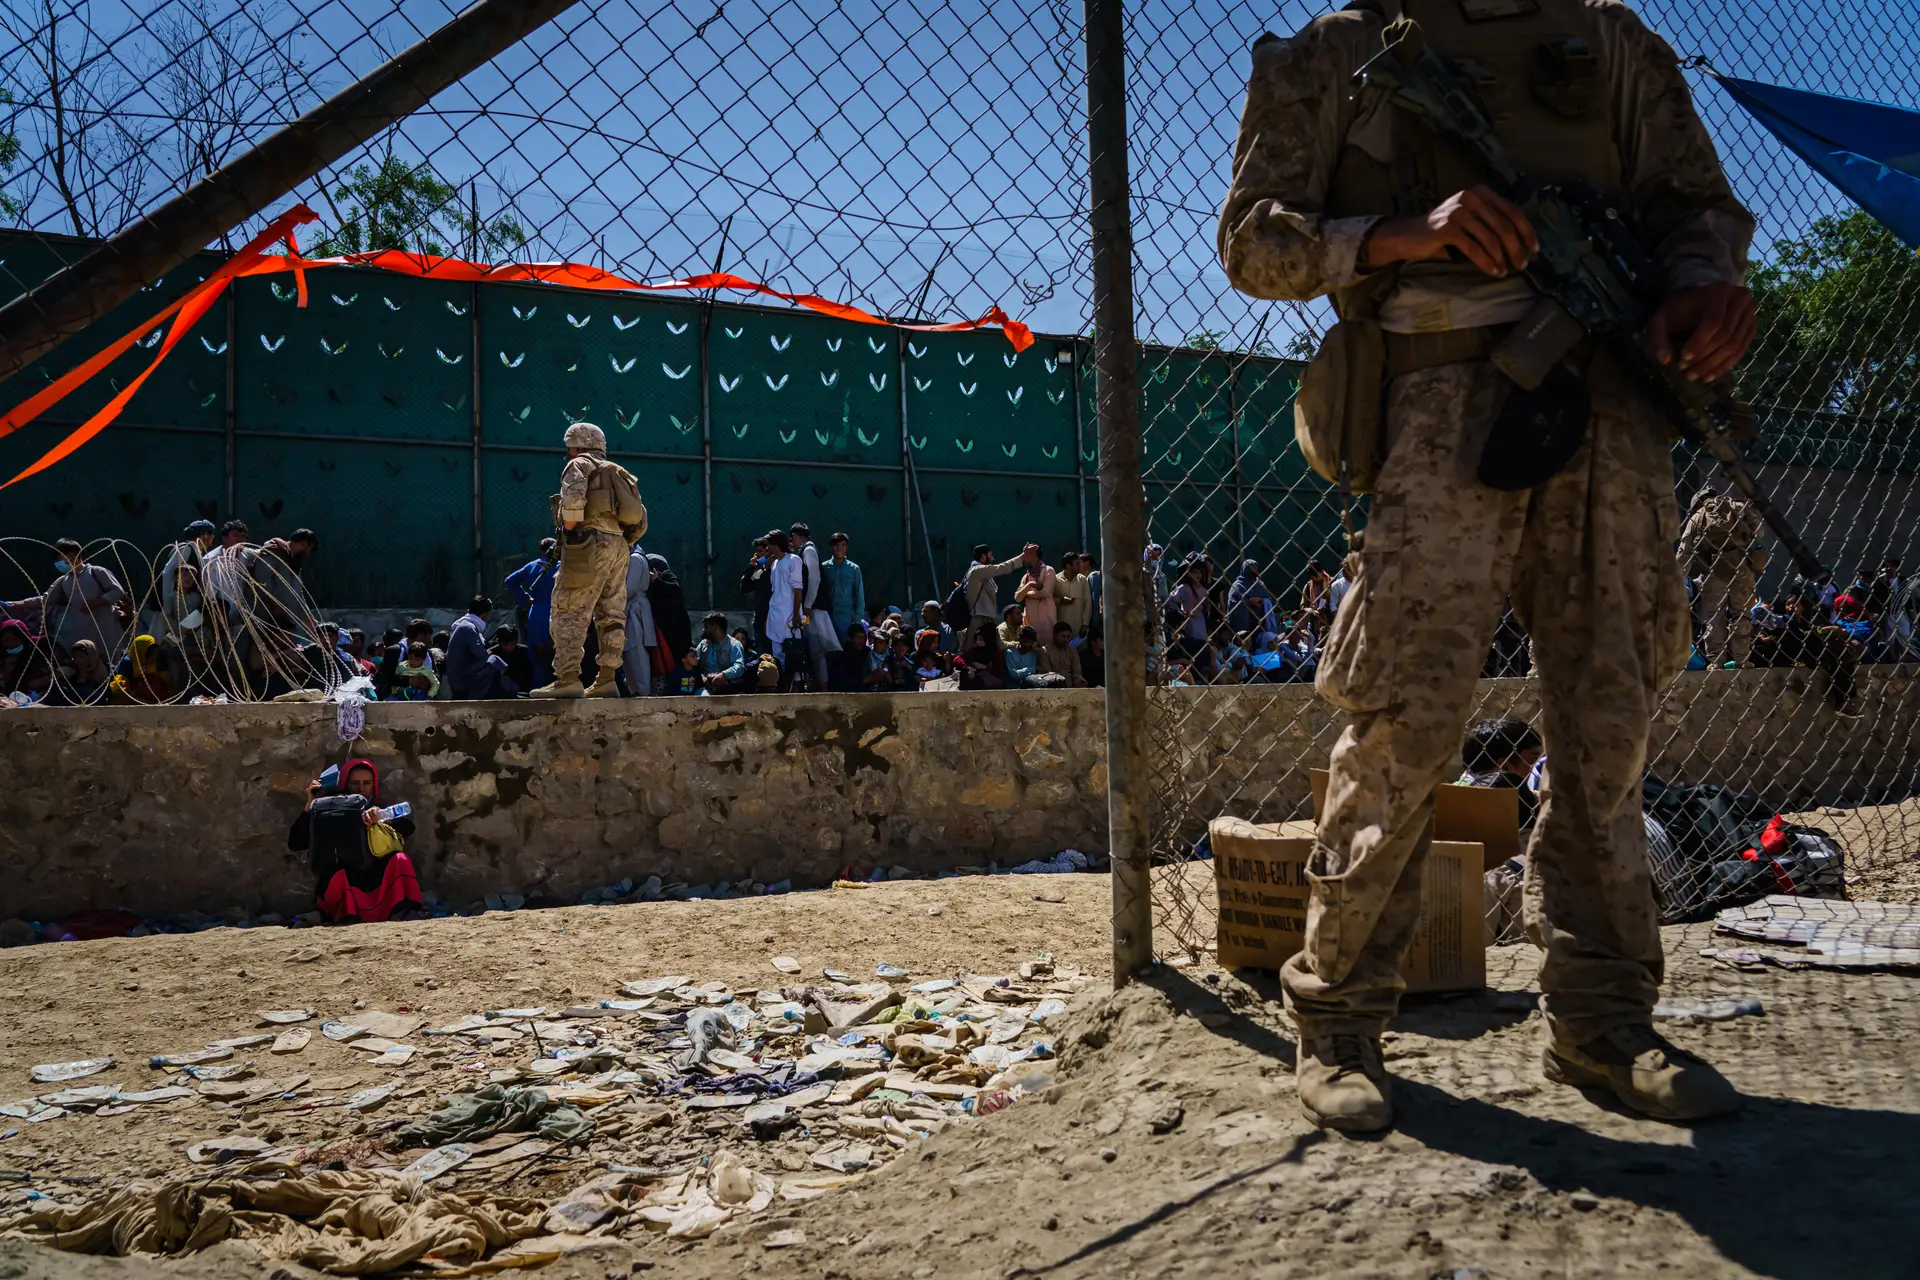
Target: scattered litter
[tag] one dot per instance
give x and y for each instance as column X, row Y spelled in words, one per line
column 369, row 1098
column 53, row 1072
column 228, row 1147
column 1708, row 1010
column 333, row 1029
column 1823, row 933
column 282, row 1017
column 290, row 1041
column 395, row 1056
column 243, row 1042
column 786, row 964
column 706, row 1030
column 786, row 1238
column 212, row 1053
column 1049, row 895
column 305, row 955
column 230, row 1071
column 654, row 986
column 1068, row 860
column 388, row 1026
column 439, row 1161
column 891, row 972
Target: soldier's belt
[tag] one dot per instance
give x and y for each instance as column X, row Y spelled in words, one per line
column 1412, row 352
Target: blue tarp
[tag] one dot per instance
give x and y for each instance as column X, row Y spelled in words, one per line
column 1869, row 150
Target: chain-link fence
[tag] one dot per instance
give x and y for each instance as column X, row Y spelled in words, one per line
column 920, row 164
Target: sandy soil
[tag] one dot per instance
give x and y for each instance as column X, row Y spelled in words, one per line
column 1171, row 1144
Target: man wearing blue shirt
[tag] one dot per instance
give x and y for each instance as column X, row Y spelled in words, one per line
column 842, row 589
column 720, row 659
column 532, row 587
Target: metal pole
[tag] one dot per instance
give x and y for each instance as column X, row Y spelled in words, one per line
column 1079, row 443
column 1239, row 474
column 479, row 502
column 233, row 354
column 40, row 320
column 706, row 406
column 908, row 484
column 1122, row 500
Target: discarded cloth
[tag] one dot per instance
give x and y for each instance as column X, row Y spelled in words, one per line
column 351, row 1222
column 468, row 1117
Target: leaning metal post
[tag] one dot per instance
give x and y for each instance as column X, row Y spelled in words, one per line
column 36, row 322
column 1122, row 500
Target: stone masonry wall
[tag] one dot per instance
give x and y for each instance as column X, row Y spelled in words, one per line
column 168, row 809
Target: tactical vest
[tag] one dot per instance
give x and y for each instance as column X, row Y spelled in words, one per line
column 1535, row 65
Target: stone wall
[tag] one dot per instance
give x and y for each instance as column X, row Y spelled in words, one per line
column 169, row 809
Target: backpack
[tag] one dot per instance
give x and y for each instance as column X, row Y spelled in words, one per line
column 624, row 492
column 337, row 841
column 766, row 673
column 958, row 608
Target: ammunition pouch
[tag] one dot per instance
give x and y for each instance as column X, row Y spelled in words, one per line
column 1338, row 415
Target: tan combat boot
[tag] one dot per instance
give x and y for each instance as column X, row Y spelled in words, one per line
column 1342, row 1082
column 562, row 687
column 1645, row 1071
column 605, row 686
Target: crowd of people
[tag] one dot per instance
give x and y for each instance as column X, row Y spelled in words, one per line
column 227, row 618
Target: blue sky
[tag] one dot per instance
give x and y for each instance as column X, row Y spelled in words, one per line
column 856, row 145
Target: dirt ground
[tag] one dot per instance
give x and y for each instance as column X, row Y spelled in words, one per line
column 1170, row 1144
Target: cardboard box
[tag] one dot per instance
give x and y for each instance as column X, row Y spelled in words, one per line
column 1261, row 877
column 1487, row 816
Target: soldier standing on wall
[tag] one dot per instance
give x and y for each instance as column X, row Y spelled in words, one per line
column 600, row 513
column 1352, row 195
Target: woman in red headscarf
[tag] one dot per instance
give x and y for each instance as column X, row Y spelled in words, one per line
column 362, row 871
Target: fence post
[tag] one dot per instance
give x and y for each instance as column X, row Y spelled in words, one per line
column 1079, row 441
column 479, row 502
column 233, row 354
column 706, row 443
column 1122, row 498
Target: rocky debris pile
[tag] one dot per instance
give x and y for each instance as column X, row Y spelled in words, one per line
column 682, row 1104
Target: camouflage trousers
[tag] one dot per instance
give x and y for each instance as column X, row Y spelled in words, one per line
column 1588, row 559
column 1721, row 592
column 592, row 583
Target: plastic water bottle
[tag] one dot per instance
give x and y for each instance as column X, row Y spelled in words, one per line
column 400, row 810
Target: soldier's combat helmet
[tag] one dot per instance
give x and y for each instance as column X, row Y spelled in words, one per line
column 584, row 435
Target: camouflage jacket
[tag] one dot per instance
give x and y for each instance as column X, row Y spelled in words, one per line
column 1275, row 242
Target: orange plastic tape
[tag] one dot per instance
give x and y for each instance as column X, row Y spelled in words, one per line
column 253, row 260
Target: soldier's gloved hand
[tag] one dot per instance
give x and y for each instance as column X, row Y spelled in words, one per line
column 1490, row 230
column 1719, row 321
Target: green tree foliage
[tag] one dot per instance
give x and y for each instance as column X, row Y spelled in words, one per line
column 10, row 206
column 1839, row 327
column 397, row 205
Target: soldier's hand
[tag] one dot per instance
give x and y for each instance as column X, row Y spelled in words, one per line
column 1719, row 321
column 1490, row 230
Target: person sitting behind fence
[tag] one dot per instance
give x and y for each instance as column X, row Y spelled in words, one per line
column 858, row 667
column 929, row 661
column 1061, row 658
column 984, row 664
column 83, row 682
column 932, row 619
column 720, row 661
column 1502, row 753
column 142, row 679
column 1013, row 617
column 361, row 871
column 1025, row 669
column 414, row 679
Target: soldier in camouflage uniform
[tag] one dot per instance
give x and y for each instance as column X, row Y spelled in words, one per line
column 1334, row 193
column 593, row 563
column 1723, row 535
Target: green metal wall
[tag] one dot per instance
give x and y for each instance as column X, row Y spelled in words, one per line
column 399, row 417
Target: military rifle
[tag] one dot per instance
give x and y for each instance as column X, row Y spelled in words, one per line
column 1592, row 273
